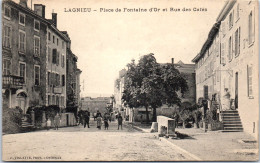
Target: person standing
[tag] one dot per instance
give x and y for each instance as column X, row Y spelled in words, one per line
column 99, row 120
column 120, row 121
column 106, row 119
column 86, row 116
column 57, row 121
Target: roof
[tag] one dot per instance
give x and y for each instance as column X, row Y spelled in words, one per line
column 212, row 33
column 214, row 30
column 31, row 12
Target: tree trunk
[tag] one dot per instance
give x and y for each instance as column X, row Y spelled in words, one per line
column 147, row 114
column 154, row 115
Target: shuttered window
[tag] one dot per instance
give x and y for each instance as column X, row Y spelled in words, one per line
column 250, row 80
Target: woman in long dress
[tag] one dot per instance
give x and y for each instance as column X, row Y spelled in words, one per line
column 99, row 120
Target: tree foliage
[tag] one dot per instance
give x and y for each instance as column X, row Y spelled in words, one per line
column 150, row 84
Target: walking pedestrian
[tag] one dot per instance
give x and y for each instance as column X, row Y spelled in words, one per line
column 57, row 121
column 86, row 116
column 99, row 120
column 106, row 119
column 120, row 121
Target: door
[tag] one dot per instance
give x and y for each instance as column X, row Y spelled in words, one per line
column 236, row 91
column 21, row 101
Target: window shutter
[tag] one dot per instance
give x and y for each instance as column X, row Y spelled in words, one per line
column 54, row 55
column 239, row 33
column 233, row 46
column 58, row 58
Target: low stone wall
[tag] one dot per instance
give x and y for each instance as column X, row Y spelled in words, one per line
column 169, row 123
column 68, row 119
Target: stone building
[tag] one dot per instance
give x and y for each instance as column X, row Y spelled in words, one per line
column 23, row 55
column 34, row 56
column 234, row 41
column 188, row 73
column 118, row 91
column 72, row 79
column 95, row 104
column 57, row 44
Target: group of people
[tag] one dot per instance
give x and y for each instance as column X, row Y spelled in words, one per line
column 84, row 116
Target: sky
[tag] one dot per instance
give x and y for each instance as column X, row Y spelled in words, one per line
column 105, row 42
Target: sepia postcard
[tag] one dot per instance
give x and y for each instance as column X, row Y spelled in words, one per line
column 130, row 80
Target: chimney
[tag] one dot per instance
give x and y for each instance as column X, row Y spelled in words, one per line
column 23, row 3
column 54, row 19
column 39, row 9
column 172, row 60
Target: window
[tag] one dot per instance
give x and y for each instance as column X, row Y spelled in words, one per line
column 237, row 42
column 57, row 78
column 22, row 40
column 49, row 100
column 230, row 20
column 250, row 80
column 6, row 67
column 36, row 75
column 22, row 70
column 53, row 39
column 7, row 12
column 62, row 61
column 22, row 19
column 54, row 56
column 251, row 30
column 57, row 100
column 230, row 48
column 63, row 80
column 49, row 78
column 49, row 36
column 57, row 42
column 53, row 100
column 238, row 11
column 49, row 54
column 223, row 27
column 62, row 44
column 7, row 37
column 36, row 46
column 58, row 59
column 36, row 25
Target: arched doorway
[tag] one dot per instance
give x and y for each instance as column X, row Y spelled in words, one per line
column 21, row 101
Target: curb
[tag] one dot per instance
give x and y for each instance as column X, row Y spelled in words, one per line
column 137, row 128
column 196, row 158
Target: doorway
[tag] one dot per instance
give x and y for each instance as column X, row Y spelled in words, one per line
column 21, row 101
column 236, row 91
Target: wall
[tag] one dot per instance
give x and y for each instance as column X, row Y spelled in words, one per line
column 248, row 106
column 35, row 94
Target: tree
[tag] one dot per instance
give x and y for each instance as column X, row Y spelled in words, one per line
column 150, row 84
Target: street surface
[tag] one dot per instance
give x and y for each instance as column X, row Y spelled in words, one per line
column 88, row 144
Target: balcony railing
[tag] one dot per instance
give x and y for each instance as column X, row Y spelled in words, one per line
column 11, row 81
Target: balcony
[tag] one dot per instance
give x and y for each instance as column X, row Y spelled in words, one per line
column 11, row 81
column 58, row 90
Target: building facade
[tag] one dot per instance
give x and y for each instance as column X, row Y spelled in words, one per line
column 23, row 56
column 73, row 79
column 56, row 67
column 188, row 73
column 233, row 43
column 34, row 57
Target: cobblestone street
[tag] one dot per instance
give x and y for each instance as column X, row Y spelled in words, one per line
column 88, row 144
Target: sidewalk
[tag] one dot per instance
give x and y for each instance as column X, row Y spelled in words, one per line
column 214, row 145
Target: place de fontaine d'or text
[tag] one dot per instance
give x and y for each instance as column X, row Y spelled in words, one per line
column 170, row 9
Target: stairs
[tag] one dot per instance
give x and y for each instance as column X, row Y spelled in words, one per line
column 231, row 121
column 25, row 123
